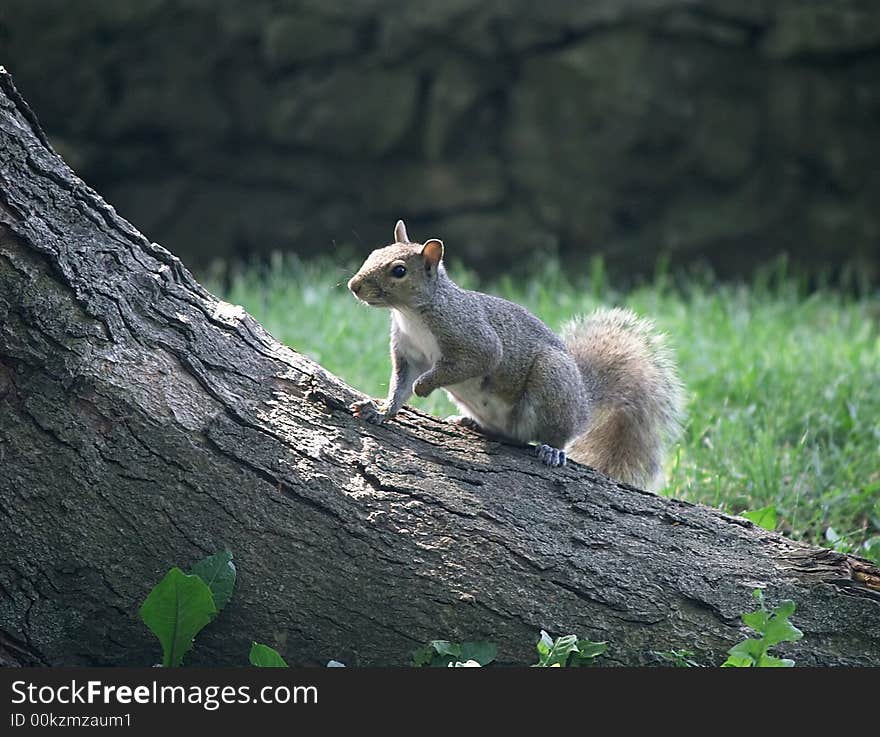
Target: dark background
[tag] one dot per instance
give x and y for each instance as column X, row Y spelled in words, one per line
column 728, row 131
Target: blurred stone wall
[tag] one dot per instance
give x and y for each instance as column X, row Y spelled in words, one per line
column 718, row 129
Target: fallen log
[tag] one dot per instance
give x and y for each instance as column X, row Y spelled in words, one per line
column 144, row 424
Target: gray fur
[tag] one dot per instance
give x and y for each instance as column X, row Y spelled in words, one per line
column 608, row 394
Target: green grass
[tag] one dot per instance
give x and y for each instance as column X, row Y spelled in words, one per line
column 784, row 386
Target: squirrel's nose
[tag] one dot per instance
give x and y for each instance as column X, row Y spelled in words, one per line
column 354, row 284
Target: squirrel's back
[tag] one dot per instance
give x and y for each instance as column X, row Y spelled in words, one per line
column 636, row 397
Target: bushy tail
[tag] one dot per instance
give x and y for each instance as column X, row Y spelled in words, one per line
column 637, row 399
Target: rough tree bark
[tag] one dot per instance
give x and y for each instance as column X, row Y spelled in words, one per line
column 144, row 424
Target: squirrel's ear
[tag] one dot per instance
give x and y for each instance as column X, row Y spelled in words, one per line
column 432, row 252
column 400, row 235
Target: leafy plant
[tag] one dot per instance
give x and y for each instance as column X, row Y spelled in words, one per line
column 774, row 627
column 218, row 571
column 567, row 651
column 181, row 605
column 764, row 517
column 264, row 656
column 176, row 610
column 677, row 658
column 442, row 653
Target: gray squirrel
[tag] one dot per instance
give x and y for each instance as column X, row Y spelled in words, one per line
column 605, row 394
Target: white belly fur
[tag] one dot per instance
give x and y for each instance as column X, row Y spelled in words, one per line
column 414, row 339
column 490, row 411
column 418, row 344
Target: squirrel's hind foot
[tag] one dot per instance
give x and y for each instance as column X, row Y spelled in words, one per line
column 464, row 421
column 368, row 412
column 553, row 457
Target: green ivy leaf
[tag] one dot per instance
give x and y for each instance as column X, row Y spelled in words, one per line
column 779, row 629
column 764, row 517
column 587, row 649
column 176, row 610
column 678, row 658
column 751, row 649
column 785, row 608
column 557, row 652
column 545, row 644
column 482, row 652
column 774, row 628
column 756, row 620
column 264, row 656
column 218, row 571
column 738, row 661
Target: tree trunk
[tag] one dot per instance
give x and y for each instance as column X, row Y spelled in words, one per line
column 145, row 424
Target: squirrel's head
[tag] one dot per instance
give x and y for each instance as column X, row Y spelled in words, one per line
column 403, row 274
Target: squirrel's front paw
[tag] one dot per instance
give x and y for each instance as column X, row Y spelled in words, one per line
column 367, row 410
column 551, row 456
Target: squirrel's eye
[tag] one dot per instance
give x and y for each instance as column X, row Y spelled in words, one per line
column 399, row 271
